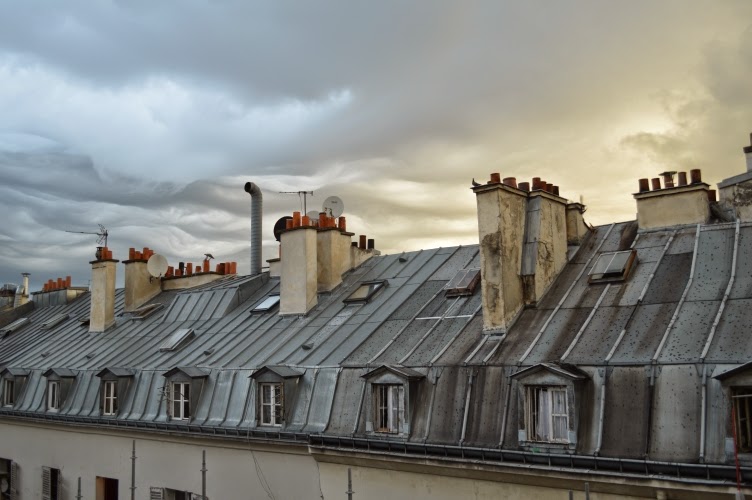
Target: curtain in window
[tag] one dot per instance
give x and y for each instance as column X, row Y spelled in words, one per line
column 559, row 414
column 543, row 427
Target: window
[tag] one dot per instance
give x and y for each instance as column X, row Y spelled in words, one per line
column 110, row 398
column 8, row 479
column 170, row 494
column 181, row 400
column 51, row 484
column 267, row 304
column 463, row 283
column 177, row 339
column 9, row 398
column 612, row 266
column 387, row 407
column 742, row 401
column 547, row 419
column 365, row 291
column 107, row 488
column 272, row 404
column 53, row 395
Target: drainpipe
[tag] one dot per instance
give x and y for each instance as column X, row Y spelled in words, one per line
column 601, row 413
column 506, row 410
column 651, row 392
column 467, row 405
column 256, row 213
column 703, row 410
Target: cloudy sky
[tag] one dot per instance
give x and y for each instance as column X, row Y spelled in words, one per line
column 149, row 117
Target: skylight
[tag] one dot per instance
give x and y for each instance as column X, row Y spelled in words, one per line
column 365, row 291
column 177, row 339
column 463, row 283
column 267, row 304
column 612, row 266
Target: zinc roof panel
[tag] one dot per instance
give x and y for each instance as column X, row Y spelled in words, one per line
column 445, row 331
column 600, row 335
column 346, row 401
column 238, row 398
column 742, row 287
column 641, row 339
column 690, row 332
column 713, row 266
column 321, row 400
column 732, row 341
column 557, row 337
column 457, row 262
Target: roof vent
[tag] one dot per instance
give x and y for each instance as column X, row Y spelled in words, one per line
column 177, row 340
column 19, row 323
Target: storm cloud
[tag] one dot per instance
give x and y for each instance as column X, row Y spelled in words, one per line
column 148, row 117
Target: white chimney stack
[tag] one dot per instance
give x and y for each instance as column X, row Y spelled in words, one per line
column 102, row 314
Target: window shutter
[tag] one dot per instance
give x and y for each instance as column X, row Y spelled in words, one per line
column 59, row 483
column 156, row 493
column 14, row 486
column 46, row 483
column 400, row 423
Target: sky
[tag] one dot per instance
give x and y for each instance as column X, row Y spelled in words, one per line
column 149, row 117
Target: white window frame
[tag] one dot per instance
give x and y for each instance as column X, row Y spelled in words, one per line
column 109, row 395
column 53, row 395
column 180, row 400
column 533, row 415
column 272, row 398
column 386, row 405
column 8, row 392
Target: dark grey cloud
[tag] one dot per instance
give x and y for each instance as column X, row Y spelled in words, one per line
column 148, row 117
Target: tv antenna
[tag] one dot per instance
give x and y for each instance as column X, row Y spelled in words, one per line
column 303, row 197
column 102, row 234
column 156, row 266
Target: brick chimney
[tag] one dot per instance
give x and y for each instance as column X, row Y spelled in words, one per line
column 523, row 245
column 140, row 287
column 299, row 268
column 674, row 203
column 102, row 314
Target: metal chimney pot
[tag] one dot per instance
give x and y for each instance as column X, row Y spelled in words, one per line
column 256, row 213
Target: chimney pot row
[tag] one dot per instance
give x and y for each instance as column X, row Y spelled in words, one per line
column 682, row 179
column 510, row 181
column 668, row 180
column 57, row 284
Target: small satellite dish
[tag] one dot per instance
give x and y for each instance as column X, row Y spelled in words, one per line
column 280, row 226
column 313, row 215
column 157, row 265
column 333, row 206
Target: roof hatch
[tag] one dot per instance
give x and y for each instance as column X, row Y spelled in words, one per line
column 612, row 266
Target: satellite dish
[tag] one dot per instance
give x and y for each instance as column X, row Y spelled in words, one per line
column 280, row 226
column 157, row 265
column 333, row 206
column 313, row 215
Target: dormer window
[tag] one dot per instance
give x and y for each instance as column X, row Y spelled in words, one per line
column 113, row 388
column 59, row 384
column 276, row 389
column 267, row 304
column 390, row 394
column 183, row 389
column 365, row 292
column 612, row 266
column 13, row 382
column 547, row 396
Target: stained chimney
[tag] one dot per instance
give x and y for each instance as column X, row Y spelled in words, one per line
column 140, row 286
column 102, row 314
column 735, row 193
column 256, row 215
column 673, row 205
column 299, row 273
column 332, row 252
column 501, row 230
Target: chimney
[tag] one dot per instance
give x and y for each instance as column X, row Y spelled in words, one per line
column 102, row 314
column 140, row 287
column 256, row 215
column 576, row 228
column 299, row 268
column 735, row 193
column 501, row 230
column 332, row 252
column 544, row 253
column 673, row 205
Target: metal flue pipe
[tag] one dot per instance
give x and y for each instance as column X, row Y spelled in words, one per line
column 256, row 213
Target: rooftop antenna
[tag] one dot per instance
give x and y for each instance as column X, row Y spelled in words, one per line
column 303, row 197
column 333, row 206
column 102, row 234
column 156, row 266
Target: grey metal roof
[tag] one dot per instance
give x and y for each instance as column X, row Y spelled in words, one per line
column 14, row 372
column 189, row 371
column 60, row 372
column 282, row 371
column 671, row 315
column 571, row 372
column 402, row 371
column 116, row 371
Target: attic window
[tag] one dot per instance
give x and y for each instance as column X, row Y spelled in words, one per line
column 365, row 291
column 146, row 311
column 463, row 283
column 7, row 330
column 267, row 304
column 177, row 339
column 54, row 321
column 612, row 266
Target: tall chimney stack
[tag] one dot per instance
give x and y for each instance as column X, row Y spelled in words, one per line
column 299, row 273
column 102, row 314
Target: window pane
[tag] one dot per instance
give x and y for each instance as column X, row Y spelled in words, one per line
column 266, row 414
column 560, row 401
column 394, row 410
column 560, row 428
column 543, row 429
